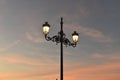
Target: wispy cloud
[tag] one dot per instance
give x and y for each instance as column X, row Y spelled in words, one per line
column 39, row 71
column 92, row 33
column 107, row 71
column 34, row 37
column 97, row 55
column 82, row 13
column 110, row 56
column 115, row 57
column 29, row 75
column 104, row 71
column 8, row 46
column 20, row 59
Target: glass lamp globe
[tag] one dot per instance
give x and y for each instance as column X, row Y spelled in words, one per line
column 46, row 28
column 75, row 36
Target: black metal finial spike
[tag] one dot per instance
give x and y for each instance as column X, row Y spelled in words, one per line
column 61, row 20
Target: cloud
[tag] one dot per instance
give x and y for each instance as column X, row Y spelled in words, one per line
column 115, row 57
column 18, row 59
column 40, row 69
column 92, row 33
column 81, row 13
column 110, row 56
column 37, row 67
column 34, row 37
column 105, row 71
column 29, row 75
column 10, row 45
column 97, row 55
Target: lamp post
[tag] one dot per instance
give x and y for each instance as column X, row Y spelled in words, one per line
column 60, row 38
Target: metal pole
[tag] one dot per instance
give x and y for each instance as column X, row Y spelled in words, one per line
column 61, row 48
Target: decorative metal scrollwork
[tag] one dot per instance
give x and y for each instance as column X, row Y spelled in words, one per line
column 57, row 39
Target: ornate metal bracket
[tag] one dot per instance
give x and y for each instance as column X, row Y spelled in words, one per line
column 57, row 39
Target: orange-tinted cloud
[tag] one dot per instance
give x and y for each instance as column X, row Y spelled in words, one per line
column 112, row 56
column 34, row 36
column 34, row 72
column 106, row 71
column 17, row 59
column 97, row 55
column 9, row 45
column 93, row 33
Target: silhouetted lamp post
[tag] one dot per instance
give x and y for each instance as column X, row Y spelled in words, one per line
column 60, row 38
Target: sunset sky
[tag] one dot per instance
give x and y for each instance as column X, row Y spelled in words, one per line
column 26, row 55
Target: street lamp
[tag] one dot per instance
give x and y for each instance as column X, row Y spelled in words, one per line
column 75, row 37
column 60, row 38
column 46, row 28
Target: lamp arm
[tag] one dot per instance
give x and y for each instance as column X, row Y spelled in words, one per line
column 48, row 38
column 67, row 42
column 55, row 38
